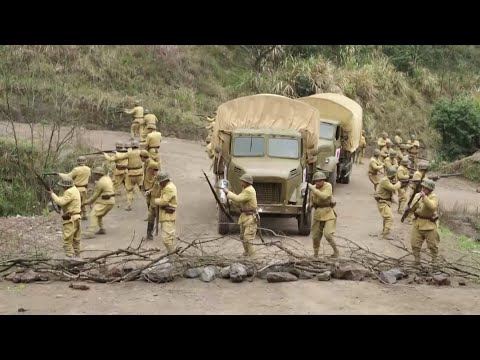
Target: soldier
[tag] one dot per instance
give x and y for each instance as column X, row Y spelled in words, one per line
column 398, row 140
column 134, row 173
column 104, row 198
column 71, row 208
column 324, row 217
column 375, row 168
column 387, row 186
column 413, row 149
column 391, row 160
column 152, row 142
column 148, row 118
column 425, row 226
column 361, row 149
column 382, row 141
column 402, row 152
column 137, row 113
column 167, row 203
column 120, row 170
column 387, row 148
column 150, row 169
column 403, row 177
column 80, row 176
column 247, row 200
column 418, row 176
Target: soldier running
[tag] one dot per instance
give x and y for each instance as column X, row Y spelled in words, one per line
column 104, row 198
column 120, row 170
column 403, row 176
column 150, row 169
column 152, row 142
column 137, row 113
column 80, row 176
column 70, row 202
column 425, row 226
column 324, row 216
column 387, row 186
column 135, row 172
column 247, row 200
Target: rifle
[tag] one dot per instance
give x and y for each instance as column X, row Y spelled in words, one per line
column 219, row 203
column 407, row 210
column 157, row 218
column 55, row 206
column 100, row 152
column 438, row 177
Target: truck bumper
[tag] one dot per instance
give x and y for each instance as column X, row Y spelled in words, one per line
column 280, row 209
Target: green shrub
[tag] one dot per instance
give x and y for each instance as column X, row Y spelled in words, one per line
column 458, row 123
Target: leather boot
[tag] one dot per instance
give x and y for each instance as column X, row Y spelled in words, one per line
column 150, row 230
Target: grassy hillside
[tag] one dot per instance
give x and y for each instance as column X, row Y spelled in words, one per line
column 396, row 85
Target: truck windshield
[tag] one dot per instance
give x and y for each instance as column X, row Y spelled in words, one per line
column 283, row 148
column 248, row 146
column 327, row 131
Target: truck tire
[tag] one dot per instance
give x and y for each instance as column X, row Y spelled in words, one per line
column 346, row 179
column 332, row 179
column 304, row 224
column 223, row 226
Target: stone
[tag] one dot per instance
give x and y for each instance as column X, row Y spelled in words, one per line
column 160, row 274
column 347, row 271
column 325, row 276
column 225, row 273
column 441, row 280
column 250, row 270
column 238, row 272
column 462, row 282
column 193, row 273
column 263, row 274
column 399, row 274
column 10, row 276
column 114, row 272
column 218, row 269
column 208, row 274
column 275, row 277
column 478, row 190
column 387, row 277
column 131, row 266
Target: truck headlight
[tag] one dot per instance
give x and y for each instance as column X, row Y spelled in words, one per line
column 327, row 161
column 259, row 209
column 303, row 192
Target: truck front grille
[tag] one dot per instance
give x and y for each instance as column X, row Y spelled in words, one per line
column 268, row 193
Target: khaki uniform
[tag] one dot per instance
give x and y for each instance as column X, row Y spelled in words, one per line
column 119, row 172
column 417, row 176
column 402, row 174
column 247, row 200
column 390, row 162
column 168, row 198
column 361, row 150
column 71, row 204
column 148, row 179
column 400, row 156
column 137, row 113
column 103, row 188
column 381, row 142
column 375, row 171
column 80, row 176
column 413, row 150
column 386, row 150
column 397, row 141
column 324, row 217
column 152, row 145
column 424, row 227
column 134, row 174
column 383, row 195
column 147, row 119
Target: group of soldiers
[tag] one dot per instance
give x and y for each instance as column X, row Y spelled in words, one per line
column 135, row 164
column 395, row 169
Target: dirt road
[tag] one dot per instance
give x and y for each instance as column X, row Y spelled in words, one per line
column 358, row 220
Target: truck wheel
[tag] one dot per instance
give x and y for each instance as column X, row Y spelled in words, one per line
column 332, row 179
column 304, row 224
column 346, row 179
column 223, row 226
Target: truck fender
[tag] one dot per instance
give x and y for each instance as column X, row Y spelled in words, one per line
column 329, row 165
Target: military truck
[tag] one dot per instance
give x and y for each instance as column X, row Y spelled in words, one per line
column 274, row 139
column 340, row 129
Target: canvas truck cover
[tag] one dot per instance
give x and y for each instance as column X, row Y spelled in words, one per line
column 267, row 111
column 342, row 109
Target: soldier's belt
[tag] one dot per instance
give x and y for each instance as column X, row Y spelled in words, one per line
column 169, row 209
column 119, row 167
column 331, row 205
column 81, row 186
column 107, row 197
column 248, row 212
column 432, row 218
column 379, row 199
column 153, row 147
column 68, row 216
column 136, row 168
